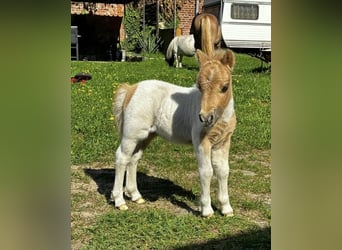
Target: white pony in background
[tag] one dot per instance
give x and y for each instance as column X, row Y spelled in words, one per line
column 202, row 115
column 180, row 46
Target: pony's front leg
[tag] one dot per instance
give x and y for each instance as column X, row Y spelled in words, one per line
column 180, row 61
column 205, row 172
column 221, row 167
column 176, row 59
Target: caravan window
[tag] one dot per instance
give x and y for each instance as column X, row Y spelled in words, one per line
column 245, row 11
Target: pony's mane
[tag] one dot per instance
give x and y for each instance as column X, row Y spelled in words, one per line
column 207, row 45
column 226, row 57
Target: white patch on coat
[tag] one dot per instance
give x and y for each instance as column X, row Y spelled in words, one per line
column 228, row 111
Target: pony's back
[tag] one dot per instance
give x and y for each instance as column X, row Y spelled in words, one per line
column 186, row 43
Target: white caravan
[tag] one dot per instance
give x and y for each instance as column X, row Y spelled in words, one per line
column 245, row 25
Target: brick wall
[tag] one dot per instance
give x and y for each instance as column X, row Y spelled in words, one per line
column 186, row 14
column 98, row 9
column 101, row 9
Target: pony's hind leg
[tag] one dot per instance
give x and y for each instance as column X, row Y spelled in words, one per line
column 127, row 157
column 121, row 162
column 131, row 189
column 124, row 160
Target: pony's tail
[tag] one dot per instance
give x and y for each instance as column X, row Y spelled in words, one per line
column 169, row 58
column 206, row 40
column 118, row 107
column 121, row 99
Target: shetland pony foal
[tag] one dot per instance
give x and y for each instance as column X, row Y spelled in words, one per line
column 203, row 114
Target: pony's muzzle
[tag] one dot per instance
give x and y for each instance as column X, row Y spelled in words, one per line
column 207, row 119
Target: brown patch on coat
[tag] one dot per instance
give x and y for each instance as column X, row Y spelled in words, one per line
column 130, row 90
column 215, row 81
column 219, row 135
column 214, row 76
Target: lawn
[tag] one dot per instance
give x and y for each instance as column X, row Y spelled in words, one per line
column 167, row 175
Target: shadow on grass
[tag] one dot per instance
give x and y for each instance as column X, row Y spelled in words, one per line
column 191, row 67
column 152, row 188
column 253, row 239
column 187, row 67
column 262, row 69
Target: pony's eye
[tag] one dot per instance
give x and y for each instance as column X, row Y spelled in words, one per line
column 224, row 88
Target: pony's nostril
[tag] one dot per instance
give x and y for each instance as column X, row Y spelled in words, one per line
column 207, row 120
column 210, row 119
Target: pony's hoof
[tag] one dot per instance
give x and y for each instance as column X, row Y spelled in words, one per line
column 140, row 201
column 112, row 199
column 123, row 207
column 207, row 216
column 206, row 212
column 127, row 195
column 230, row 214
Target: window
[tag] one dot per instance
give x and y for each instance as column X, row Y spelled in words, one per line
column 245, row 11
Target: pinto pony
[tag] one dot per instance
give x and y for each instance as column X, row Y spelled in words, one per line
column 202, row 115
column 207, row 32
column 180, row 46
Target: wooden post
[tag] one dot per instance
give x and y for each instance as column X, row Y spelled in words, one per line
column 157, row 14
column 196, row 7
column 175, row 17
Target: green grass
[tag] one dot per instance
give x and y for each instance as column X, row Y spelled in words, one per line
column 153, row 229
column 167, row 175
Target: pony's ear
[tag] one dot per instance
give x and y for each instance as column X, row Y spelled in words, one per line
column 228, row 58
column 201, row 56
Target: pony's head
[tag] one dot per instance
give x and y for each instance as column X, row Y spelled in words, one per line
column 215, row 83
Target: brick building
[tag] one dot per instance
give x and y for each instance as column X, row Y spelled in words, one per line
column 186, row 14
column 101, row 29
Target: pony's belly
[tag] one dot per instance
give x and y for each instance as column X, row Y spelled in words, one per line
column 173, row 137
